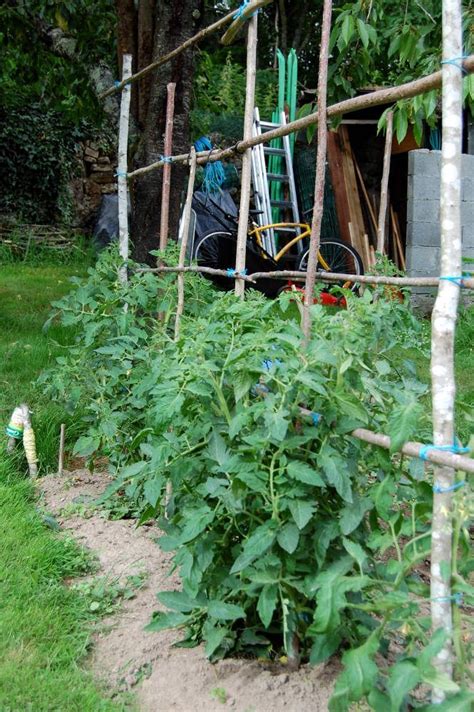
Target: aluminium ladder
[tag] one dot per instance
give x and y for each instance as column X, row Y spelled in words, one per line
column 261, row 178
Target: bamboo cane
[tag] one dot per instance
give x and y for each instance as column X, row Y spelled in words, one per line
column 122, row 168
column 384, row 187
column 241, row 249
column 375, row 98
column 320, row 172
column 219, row 24
column 166, row 185
column 442, row 340
column 184, row 242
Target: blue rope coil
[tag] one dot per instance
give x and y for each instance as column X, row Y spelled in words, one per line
column 456, row 449
column 441, row 490
column 214, row 173
column 457, row 62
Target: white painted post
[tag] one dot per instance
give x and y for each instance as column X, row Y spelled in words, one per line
column 122, row 166
column 184, row 241
column 443, row 325
column 240, row 257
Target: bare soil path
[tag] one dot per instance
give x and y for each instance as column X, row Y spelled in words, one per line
column 126, row 657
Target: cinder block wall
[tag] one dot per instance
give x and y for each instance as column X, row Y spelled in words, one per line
column 423, row 220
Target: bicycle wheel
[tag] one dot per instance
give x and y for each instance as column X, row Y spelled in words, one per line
column 216, row 250
column 339, row 256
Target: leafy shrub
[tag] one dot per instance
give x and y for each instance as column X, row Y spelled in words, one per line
column 290, row 535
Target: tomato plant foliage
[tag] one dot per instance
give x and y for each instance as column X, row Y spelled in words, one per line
column 290, row 538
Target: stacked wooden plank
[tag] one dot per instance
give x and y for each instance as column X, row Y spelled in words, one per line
column 20, row 238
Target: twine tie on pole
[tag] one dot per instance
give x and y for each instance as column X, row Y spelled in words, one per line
column 231, row 272
column 441, row 490
column 117, row 83
column 241, row 9
column 316, row 418
column 455, row 449
column 166, row 159
column 120, row 174
column 456, row 598
column 457, row 62
column 455, row 280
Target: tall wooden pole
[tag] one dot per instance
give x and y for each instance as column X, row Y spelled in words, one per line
column 320, row 170
column 122, row 167
column 247, row 157
column 442, row 340
column 384, row 186
column 184, row 242
column 168, row 147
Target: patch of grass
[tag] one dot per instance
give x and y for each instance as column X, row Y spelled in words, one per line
column 44, row 625
column 26, row 293
column 43, row 631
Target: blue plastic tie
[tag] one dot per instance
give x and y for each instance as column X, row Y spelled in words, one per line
column 241, row 9
column 166, row 159
column 120, row 174
column 441, row 490
column 456, row 598
column 316, row 418
column 267, row 363
column 455, row 280
column 455, row 61
column 231, row 272
column 117, row 83
column 456, row 449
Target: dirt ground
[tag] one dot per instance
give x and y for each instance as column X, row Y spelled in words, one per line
column 126, row 657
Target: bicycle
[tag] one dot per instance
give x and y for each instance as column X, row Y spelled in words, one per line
column 218, row 248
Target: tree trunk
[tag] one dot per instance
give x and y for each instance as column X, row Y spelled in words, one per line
column 127, row 39
column 175, row 21
column 146, row 29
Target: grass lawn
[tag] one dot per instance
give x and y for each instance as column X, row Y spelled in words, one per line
column 43, row 625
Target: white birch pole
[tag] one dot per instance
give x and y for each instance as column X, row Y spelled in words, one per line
column 443, row 326
column 384, row 186
column 184, row 242
column 122, row 166
column 247, row 157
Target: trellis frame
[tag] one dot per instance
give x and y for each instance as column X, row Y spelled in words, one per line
column 449, row 283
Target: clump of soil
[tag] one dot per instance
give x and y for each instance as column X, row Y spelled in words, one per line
column 126, row 657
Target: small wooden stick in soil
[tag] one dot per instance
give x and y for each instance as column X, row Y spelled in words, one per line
column 320, row 170
column 184, row 242
column 61, row 449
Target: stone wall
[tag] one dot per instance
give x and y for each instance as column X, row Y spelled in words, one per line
column 423, row 217
column 94, row 178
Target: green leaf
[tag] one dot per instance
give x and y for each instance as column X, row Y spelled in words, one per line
column 355, row 550
column 363, row 33
column 152, row 490
column 400, row 123
column 266, row 603
column 177, row 601
column 323, row 647
column 336, row 472
column 352, row 514
column 162, row 621
column 440, row 681
column 225, row 611
column 217, row 449
column 86, row 445
column 195, row 523
column 300, row 470
column 462, row 702
column 261, row 540
column 301, row 511
column 213, row 638
column 360, row 669
column 347, row 29
column 288, row 537
column 403, row 422
column 404, row 676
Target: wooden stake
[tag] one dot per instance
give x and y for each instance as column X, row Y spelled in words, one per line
column 166, row 186
column 241, row 251
column 397, row 238
column 384, row 187
column 123, row 168
column 442, row 340
column 375, row 98
column 61, row 449
column 184, row 242
column 368, row 202
column 320, row 172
